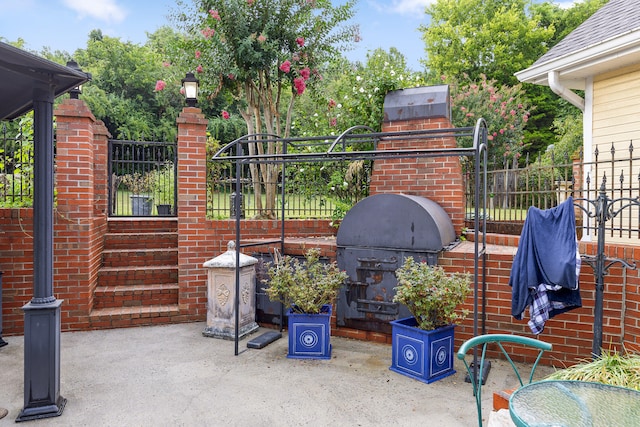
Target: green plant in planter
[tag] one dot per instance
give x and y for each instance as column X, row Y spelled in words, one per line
column 138, row 183
column 431, row 295
column 164, row 184
column 304, row 286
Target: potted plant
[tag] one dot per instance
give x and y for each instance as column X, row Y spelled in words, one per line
column 139, row 185
column 164, row 188
column 422, row 345
column 308, row 288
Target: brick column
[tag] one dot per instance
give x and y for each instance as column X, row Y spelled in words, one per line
column 439, row 178
column 192, row 211
column 80, row 220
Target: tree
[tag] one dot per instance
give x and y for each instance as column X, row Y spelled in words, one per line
column 266, row 53
column 122, row 92
column 503, row 107
column 491, row 37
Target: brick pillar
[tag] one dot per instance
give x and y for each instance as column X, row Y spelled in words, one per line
column 192, row 211
column 81, row 144
column 438, row 179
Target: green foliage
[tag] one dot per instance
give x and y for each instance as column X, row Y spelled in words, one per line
column 492, row 37
column 138, row 183
column 122, row 91
column 609, row 368
column 305, row 286
column 16, row 164
column 163, row 183
column 431, row 295
column 503, row 107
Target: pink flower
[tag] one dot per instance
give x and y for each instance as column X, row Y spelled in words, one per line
column 199, row 69
column 214, row 14
column 300, row 41
column 166, row 64
column 160, row 85
column 285, row 67
column 262, row 38
column 225, row 115
column 198, row 53
column 250, row 2
column 513, row 112
column 332, row 103
column 182, row 90
column 208, row 32
column 231, row 76
column 300, row 85
column 305, row 73
column 333, row 122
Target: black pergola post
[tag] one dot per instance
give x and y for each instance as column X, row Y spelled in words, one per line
column 42, row 314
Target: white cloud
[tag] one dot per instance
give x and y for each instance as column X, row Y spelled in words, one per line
column 565, row 4
column 103, row 10
column 407, row 7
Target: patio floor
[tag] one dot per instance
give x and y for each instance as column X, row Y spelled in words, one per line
column 173, row 376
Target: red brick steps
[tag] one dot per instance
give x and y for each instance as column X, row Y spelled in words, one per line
column 138, row 281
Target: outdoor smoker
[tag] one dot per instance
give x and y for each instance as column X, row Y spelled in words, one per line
column 373, row 240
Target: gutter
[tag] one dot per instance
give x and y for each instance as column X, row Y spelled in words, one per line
column 553, row 77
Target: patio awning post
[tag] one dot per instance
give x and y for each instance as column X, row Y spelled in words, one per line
column 42, row 314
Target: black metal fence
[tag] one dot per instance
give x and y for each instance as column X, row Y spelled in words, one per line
column 513, row 188
column 142, row 178
column 16, row 164
column 313, row 189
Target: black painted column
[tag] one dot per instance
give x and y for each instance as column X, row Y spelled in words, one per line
column 42, row 314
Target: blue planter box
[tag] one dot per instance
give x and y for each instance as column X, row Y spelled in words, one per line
column 426, row 356
column 309, row 334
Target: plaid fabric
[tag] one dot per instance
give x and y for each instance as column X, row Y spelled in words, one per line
column 541, row 307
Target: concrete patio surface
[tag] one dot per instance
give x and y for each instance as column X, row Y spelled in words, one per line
column 174, row 376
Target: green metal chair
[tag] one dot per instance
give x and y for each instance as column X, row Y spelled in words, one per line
column 485, row 340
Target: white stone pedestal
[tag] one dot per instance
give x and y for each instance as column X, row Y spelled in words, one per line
column 221, row 294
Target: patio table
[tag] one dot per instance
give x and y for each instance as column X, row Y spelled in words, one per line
column 574, row 404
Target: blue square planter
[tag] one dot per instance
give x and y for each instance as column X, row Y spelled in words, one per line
column 309, row 334
column 426, row 356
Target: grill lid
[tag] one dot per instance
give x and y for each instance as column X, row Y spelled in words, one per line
column 396, row 221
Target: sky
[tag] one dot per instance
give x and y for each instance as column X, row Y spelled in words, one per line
column 65, row 24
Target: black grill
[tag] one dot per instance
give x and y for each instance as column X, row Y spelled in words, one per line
column 374, row 239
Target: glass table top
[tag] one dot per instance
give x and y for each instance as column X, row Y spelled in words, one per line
column 574, row 404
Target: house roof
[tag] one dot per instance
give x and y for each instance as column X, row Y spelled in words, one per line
column 609, row 39
column 21, row 71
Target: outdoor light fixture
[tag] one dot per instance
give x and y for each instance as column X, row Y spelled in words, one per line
column 73, row 93
column 190, row 86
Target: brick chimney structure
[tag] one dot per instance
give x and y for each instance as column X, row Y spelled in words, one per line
column 438, row 178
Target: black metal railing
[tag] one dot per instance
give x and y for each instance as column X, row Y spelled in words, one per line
column 313, row 189
column 513, row 188
column 142, row 178
column 16, row 164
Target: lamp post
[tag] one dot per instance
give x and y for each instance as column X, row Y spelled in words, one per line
column 190, row 86
column 73, row 93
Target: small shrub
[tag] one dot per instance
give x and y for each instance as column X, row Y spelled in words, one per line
column 304, row 286
column 431, row 295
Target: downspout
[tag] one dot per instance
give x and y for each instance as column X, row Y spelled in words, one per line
column 565, row 93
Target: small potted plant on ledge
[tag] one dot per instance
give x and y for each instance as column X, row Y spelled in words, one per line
column 164, row 188
column 422, row 345
column 308, row 288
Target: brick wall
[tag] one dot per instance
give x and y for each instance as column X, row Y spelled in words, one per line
column 438, row 179
column 80, row 225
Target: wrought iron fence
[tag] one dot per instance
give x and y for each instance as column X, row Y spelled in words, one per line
column 16, row 164
column 513, row 188
column 142, row 178
column 313, row 189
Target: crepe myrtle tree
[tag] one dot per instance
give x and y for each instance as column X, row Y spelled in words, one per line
column 266, row 54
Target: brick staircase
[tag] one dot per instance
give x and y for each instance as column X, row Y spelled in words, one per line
column 138, row 280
